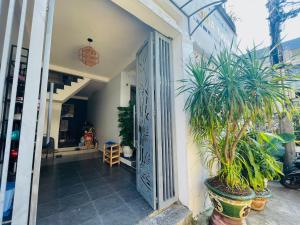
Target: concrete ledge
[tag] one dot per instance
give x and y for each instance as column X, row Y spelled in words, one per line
column 176, row 214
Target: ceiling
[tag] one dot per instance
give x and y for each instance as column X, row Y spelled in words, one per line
column 117, row 35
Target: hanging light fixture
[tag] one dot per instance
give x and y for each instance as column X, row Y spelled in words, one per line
column 89, row 56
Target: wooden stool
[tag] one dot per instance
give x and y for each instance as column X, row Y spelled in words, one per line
column 111, row 153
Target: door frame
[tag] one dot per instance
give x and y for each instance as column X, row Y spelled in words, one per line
column 151, row 14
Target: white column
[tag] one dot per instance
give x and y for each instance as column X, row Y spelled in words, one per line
column 182, row 50
column 29, row 117
column 55, row 122
column 12, row 106
column 41, row 118
column 50, row 105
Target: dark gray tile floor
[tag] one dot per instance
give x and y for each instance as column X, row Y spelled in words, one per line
column 88, row 192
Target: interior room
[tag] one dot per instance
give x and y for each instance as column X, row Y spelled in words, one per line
column 88, row 168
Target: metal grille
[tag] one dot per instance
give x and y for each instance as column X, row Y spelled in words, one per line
column 164, row 118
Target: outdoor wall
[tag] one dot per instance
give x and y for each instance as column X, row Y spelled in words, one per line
column 191, row 171
column 103, row 112
column 215, row 33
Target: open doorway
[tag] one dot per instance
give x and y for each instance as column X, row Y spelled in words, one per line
column 76, row 185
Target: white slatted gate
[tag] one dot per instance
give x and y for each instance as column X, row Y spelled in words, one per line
column 31, row 133
column 165, row 125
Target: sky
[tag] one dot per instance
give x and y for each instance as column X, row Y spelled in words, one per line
column 252, row 25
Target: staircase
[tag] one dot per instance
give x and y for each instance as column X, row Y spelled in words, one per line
column 65, row 85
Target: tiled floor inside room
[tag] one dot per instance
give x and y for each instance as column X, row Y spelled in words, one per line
column 89, row 192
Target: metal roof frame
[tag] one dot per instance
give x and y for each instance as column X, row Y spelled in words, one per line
column 214, row 5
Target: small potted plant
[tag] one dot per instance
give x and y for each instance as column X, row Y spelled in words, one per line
column 126, row 128
column 260, row 165
column 227, row 95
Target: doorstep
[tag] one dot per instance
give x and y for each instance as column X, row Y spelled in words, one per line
column 176, row 214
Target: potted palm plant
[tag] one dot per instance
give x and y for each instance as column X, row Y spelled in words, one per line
column 227, row 95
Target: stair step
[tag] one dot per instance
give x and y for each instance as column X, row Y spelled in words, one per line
column 56, row 87
column 62, row 78
column 176, row 214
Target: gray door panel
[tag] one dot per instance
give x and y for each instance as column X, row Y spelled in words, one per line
column 146, row 173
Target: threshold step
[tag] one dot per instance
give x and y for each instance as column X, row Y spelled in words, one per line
column 176, row 214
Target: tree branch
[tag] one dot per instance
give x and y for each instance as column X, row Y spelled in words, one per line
column 237, row 139
column 229, row 119
column 235, row 127
column 290, row 14
column 215, row 145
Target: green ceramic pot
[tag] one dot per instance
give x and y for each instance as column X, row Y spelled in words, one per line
column 231, row 206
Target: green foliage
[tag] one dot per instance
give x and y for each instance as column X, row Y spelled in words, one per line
column 126, row 124
column 257, row 150
column 227, row 95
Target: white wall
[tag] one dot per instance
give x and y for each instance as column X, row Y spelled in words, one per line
column 103, row 104
column 103, row 112
column 214, row 34
column 190, row 169
column 128, row 79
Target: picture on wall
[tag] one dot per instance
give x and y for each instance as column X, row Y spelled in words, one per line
column 67, row 111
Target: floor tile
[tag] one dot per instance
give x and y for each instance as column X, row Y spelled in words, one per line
column 89, row 192
column 129, row 194
column 48, row 209
column 46, row 196
column 90, row 176
column 50, row 220
column 118, row 185
column 68, row 181
column 108, row 203
column 78, row 215
column 140, row 208
column 120, row 216
column 98, row 182
column 73, row 201
column 95, row 221
column 100, row 192
column 70, row 190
